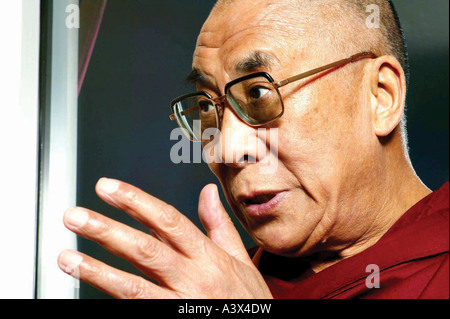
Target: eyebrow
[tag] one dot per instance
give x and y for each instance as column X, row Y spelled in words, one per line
column 195, row 77
column 254, row 60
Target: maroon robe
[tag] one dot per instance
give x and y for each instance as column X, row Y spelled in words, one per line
column 412, row 258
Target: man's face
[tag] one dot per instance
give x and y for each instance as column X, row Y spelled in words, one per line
column 324, row 137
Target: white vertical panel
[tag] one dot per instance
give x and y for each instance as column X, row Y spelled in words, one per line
column 58, row 171
column 19, row 109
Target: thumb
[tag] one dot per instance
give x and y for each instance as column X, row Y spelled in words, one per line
column 218, row 224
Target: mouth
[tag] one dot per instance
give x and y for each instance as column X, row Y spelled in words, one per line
column 262, row 204
column 259, row 199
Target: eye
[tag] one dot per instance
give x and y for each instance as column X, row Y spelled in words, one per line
column 258, row 92
column 206, row 106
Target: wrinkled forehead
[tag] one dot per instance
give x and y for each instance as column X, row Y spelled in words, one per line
column 223, row 23
column 232, row 33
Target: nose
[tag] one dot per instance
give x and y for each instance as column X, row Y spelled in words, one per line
column 239, row 143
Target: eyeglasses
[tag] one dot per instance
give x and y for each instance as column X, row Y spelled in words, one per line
column 255, row 98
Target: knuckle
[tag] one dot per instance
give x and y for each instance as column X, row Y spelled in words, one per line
column 208, row 285
column 102, row 231
column 130, row 196
column 92, row 272
column 150, row 255
column 172, row 218
column 136, row 289
column 144, row 250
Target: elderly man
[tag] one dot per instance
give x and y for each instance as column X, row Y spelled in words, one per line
column 343, row 215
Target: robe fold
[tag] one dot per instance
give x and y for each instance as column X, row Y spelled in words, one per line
column 410, row 261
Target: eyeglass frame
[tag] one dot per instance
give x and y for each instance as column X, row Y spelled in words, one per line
column 219, row 101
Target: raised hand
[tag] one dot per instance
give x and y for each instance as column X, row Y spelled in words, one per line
column 179, row 257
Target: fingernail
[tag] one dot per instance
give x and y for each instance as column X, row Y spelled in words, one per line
column 69, row 262
column 215, row 197
column 76, row 217
column 107, row 185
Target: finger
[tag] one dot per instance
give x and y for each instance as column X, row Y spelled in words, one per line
column 218, row 224
column 114, row 282
column 165, row 222
column 154, row 258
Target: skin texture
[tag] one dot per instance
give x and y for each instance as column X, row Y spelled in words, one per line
column 340, row 161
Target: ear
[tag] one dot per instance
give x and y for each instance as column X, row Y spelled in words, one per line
column 388, row 89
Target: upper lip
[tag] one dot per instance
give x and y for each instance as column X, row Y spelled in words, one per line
column 257, row 196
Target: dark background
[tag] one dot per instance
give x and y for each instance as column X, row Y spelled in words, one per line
column 142, row 55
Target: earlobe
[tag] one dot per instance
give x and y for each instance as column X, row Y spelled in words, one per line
column 389, row 93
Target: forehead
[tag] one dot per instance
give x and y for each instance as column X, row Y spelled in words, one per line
column 240, row 15
column 245, row 26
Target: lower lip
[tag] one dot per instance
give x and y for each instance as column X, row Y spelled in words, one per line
column 265, row 209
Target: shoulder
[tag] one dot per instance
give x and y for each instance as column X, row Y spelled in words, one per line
column 438, row 285
column 414, row 254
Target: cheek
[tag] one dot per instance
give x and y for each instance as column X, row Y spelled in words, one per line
column 320, row 136
column 307, row 130
column 323, row 116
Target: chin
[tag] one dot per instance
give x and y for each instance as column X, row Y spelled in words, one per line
column 280, row 243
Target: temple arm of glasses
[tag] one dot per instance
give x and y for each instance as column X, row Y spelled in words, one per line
column 185, row 112
column 353, row 58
